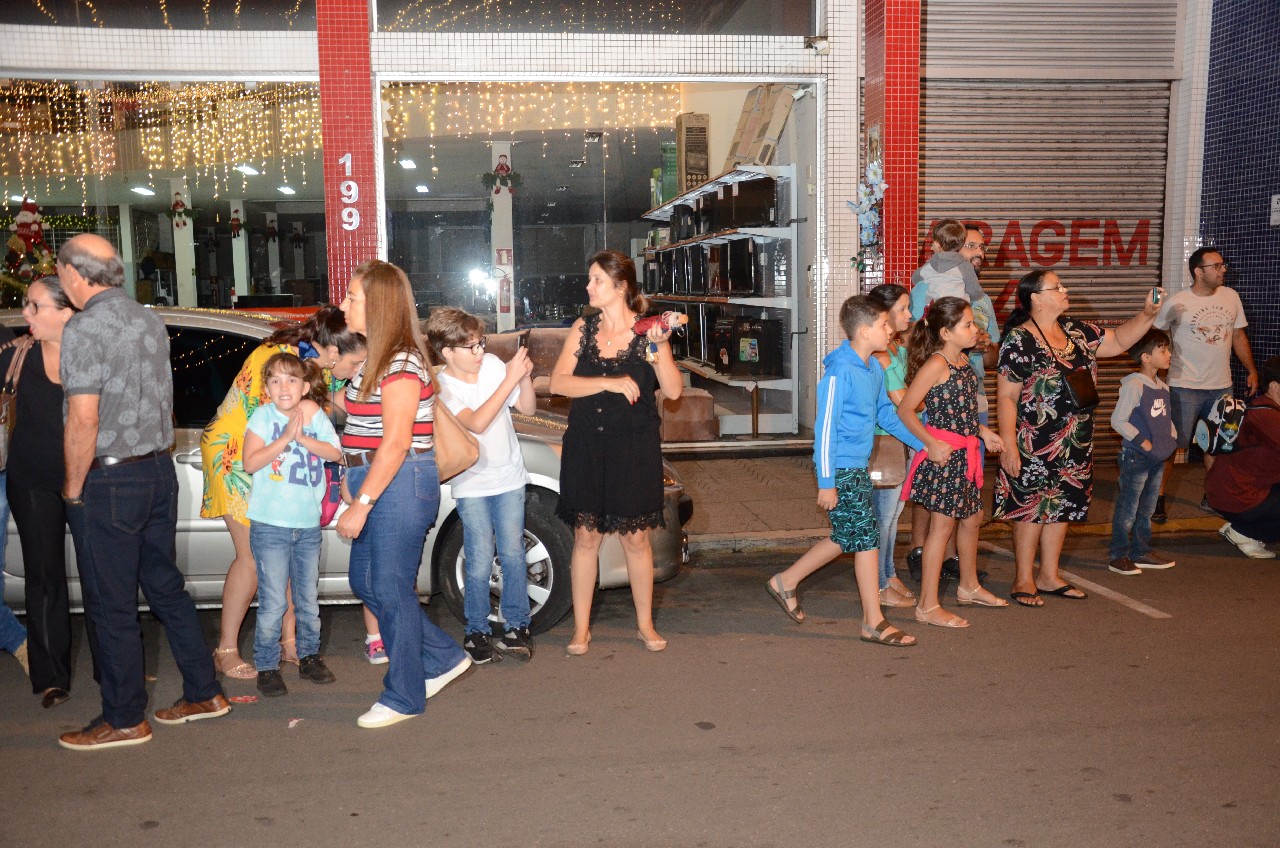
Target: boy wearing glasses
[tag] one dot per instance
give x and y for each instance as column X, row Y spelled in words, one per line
column 480, row 390
column 1206, row 323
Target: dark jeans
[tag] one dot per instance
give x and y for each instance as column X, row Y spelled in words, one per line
column 1139, row 486
column 1262, row 522
column 385, row 558
column 124, row 538
column 42, row 531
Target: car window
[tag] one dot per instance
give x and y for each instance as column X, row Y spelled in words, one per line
column 205, row 364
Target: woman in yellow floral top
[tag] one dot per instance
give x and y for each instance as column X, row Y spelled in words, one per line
column 226, row 485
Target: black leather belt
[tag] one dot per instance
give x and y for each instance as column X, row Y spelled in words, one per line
column 355, row 460
column 108, row 461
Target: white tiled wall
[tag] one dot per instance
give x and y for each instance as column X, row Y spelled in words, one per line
column 89, row 53
column 1186, row 145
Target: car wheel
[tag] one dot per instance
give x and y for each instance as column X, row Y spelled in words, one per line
column 548, row 544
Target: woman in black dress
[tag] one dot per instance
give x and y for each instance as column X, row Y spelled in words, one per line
column 35, row 490
column 1046, row 470
column 611, row 468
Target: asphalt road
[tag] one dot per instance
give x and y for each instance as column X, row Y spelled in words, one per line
column 1145, row 717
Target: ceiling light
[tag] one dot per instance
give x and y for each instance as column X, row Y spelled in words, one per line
column 423, row 189
column 408, row 164
column 16, row 198
column 592, row 136
column 286, row 190
column 552, row 203
column 577, row 163
column 562, row 188
column 142, row 190
column 247, row 170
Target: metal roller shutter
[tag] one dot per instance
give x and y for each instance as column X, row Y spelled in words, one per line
column 1068, row 175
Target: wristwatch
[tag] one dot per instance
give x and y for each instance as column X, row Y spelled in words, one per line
column 366, row 500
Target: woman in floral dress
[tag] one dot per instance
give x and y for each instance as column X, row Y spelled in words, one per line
column 1046, row 471
column 226, row 485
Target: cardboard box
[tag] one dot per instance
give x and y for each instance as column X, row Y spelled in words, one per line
column 693, row 150
column 764, row 115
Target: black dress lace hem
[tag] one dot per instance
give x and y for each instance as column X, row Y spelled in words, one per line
column 611, row 523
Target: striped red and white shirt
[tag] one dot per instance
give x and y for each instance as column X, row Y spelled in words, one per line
column 363, row 431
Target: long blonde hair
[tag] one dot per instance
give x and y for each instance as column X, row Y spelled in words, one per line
column 391, row 320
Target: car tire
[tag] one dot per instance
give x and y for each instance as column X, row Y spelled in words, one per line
column 549, row 545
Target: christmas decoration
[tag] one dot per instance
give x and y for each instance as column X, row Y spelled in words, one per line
column 179, row 212
column 27, row 257
column 235, row 223
column 271, row 232
column 502, row 177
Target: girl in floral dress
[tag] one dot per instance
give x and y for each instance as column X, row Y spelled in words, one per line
column 226, row 485
column 949, row 485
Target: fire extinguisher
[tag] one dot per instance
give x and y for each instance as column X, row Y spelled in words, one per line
column 504, row 294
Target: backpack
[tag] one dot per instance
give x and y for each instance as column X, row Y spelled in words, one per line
column 1216, row 433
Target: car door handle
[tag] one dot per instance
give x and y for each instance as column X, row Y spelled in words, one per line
column 189, row 458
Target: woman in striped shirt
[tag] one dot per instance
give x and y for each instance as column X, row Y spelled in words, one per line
column 394, row 491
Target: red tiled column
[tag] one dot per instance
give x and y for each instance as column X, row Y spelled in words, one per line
column 346, row 124
column 892, row 100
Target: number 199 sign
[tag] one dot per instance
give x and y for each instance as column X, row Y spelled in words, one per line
column 349, row 190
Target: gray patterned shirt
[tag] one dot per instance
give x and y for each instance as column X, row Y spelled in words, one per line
column 119, row 350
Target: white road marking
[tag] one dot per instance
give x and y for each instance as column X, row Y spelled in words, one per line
column 1090, row 586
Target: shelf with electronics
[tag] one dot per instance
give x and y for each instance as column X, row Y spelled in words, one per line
column 727, row 258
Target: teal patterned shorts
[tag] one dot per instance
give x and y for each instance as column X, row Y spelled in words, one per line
column 853, row 522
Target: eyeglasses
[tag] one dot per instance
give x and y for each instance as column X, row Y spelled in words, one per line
column 1220, row 266
column 33, row 305
column 476, row 348
column 1059, row 288
column 975, row 245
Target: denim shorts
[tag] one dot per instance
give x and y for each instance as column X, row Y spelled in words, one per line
column 1190, row 406
column 853, row 521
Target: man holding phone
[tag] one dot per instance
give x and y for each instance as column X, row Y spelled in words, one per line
column 1207, row 324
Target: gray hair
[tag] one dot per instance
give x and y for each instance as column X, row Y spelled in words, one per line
column 98, row 270
column 53, row 285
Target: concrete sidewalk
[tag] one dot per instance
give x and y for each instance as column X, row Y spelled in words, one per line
column 753, row 502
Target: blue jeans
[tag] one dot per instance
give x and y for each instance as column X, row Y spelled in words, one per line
column 384, row 572
column 495, row 522
column 887, row 504
column 12, row 634
column 1135, row 501
column 124, row 535
column 1189, row 406
column 285, row 556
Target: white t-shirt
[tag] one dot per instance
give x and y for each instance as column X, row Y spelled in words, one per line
column 1201, row 329
column 500, row 467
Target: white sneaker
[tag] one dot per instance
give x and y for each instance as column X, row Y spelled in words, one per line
column 435, row 684
column 380, row 716
column 1249, row 547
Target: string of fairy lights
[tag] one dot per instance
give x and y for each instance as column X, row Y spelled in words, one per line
column 62, row 134
column 59, row 135
column 495, row 110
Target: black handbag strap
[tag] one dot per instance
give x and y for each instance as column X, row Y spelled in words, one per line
column 1063, row 366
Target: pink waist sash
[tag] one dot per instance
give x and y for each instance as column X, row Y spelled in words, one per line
column 969, row 444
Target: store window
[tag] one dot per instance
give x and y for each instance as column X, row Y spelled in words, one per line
column 551, row 171
column 206, row 188
column 710, row 17
column 159, row 14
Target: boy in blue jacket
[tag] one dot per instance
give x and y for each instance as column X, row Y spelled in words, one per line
column 1144, row 420
column 851, row 401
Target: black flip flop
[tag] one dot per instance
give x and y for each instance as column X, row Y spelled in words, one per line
column 1062, row 591
column 1021, row 598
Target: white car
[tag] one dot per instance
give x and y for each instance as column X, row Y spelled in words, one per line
column 207, row 349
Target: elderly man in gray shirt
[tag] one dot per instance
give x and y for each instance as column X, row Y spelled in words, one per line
column 122, row 498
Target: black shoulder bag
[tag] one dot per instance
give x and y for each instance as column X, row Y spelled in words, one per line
column 1077, row 383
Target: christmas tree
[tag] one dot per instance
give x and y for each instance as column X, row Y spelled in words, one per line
column 27, row 257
